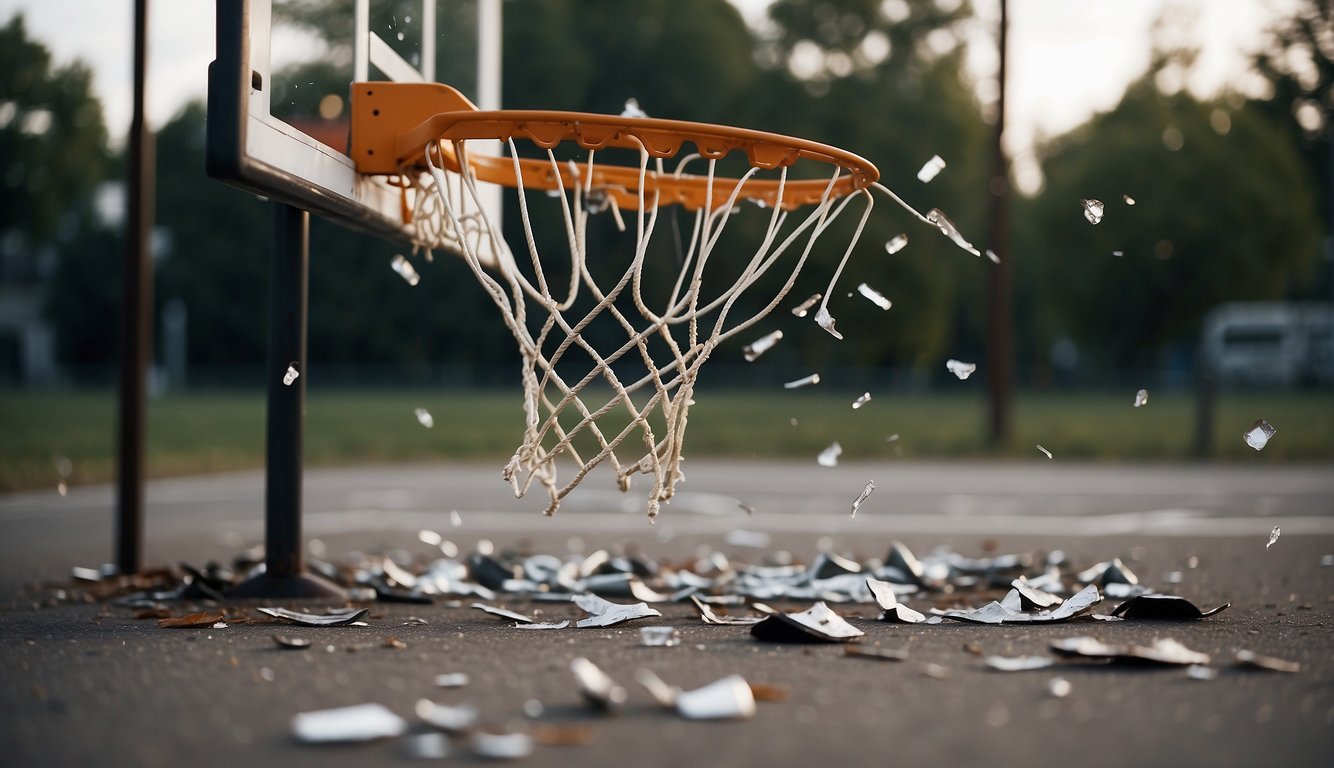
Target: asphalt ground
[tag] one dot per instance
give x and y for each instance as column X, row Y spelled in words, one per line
column 87, row 684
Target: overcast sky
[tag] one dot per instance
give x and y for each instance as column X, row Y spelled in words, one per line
column 1069, row 58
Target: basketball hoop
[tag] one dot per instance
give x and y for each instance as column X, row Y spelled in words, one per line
column 665, row 340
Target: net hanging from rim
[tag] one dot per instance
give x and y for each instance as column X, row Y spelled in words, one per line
column 578, row 404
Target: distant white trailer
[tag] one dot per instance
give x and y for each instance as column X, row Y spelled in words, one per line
column 1271, row 344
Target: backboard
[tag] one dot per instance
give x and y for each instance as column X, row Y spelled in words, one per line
column 253, row 145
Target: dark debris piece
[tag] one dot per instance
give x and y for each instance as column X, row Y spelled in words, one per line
column 1163, row 608
column 818, row 624
column 878, row 654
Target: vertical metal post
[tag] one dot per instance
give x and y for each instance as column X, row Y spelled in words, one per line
column 136, row 326
column 1000, row 320
column 284, row 574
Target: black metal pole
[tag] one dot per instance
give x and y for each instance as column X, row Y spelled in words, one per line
column 136, row 326
column 284, row 574
column 1000, row 320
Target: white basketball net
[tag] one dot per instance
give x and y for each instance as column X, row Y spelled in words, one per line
column 670, row 340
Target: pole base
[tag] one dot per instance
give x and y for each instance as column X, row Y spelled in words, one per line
column 306, row 586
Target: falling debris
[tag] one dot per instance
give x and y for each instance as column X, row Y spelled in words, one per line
column 826, row 321
column 363, row 722
column 874, row 296
column 960, row 369
column 1129, row 200
column 604, row 613
column 1045, row 452
column 632, row 109
column 804, row 307
column 1273, row 537
column 730, row 698
column 1141, row 398
column 424, row 418
column 818, row 624
column 937, row 217
column 761, row 345
column 1251, row 660
column 1259, row 433
column 1163, row 607
column 291, row 375
column 596, row 686
column 814, row 378
column 1118, row 254
column 452, row 680
column 1092, row 210
column 895, row 244
column 861, row 400
column 331, row 619
column 863, row 496
column 894, row 438
column 1018, row 663
column 1058, row 687
column 932, row 167
column 829, row 456
column 879, row 654
column 405, row 269
column 992, row 256
column 659, row 637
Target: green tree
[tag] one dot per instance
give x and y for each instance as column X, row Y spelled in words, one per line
column 1223, row 211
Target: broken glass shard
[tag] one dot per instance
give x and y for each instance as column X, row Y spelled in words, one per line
column 818, row 624
column 405, row 269
column 1163, row 608
column 863, row 496
column 363, row 722
column 291, row 375
column 942, row 222
column 1252, row 660
column 1141, row 398
column 424, row 418
column 804, row 307
column 829, row 456
column 1074, row 605
column 875, row 297
column 826, row 321
column 1259, row 434
column 659, row 637
column 503, row 613
column 1058, row 687
column 991, row 613
column 1273, row 537
column 960, row 369
column 1129, row 200
column 502, row 746
column 814, row 378
column 879, row 654
column 331, row 619
column 896, row 243
column 707, row 615
column 596, row 686
column 454, row 719
column 1045, row 452
column 455, row 519
column 761, row 345
column 890, row 608
column 727, row 699
column 1032, row 598
column 632, row 109
column 932, row 167
column 604, row 613
column 426, row 746
column 451, row 680
column 1092, row 210
column 664, row 694
column 1198, row 672
column 1018, row 663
